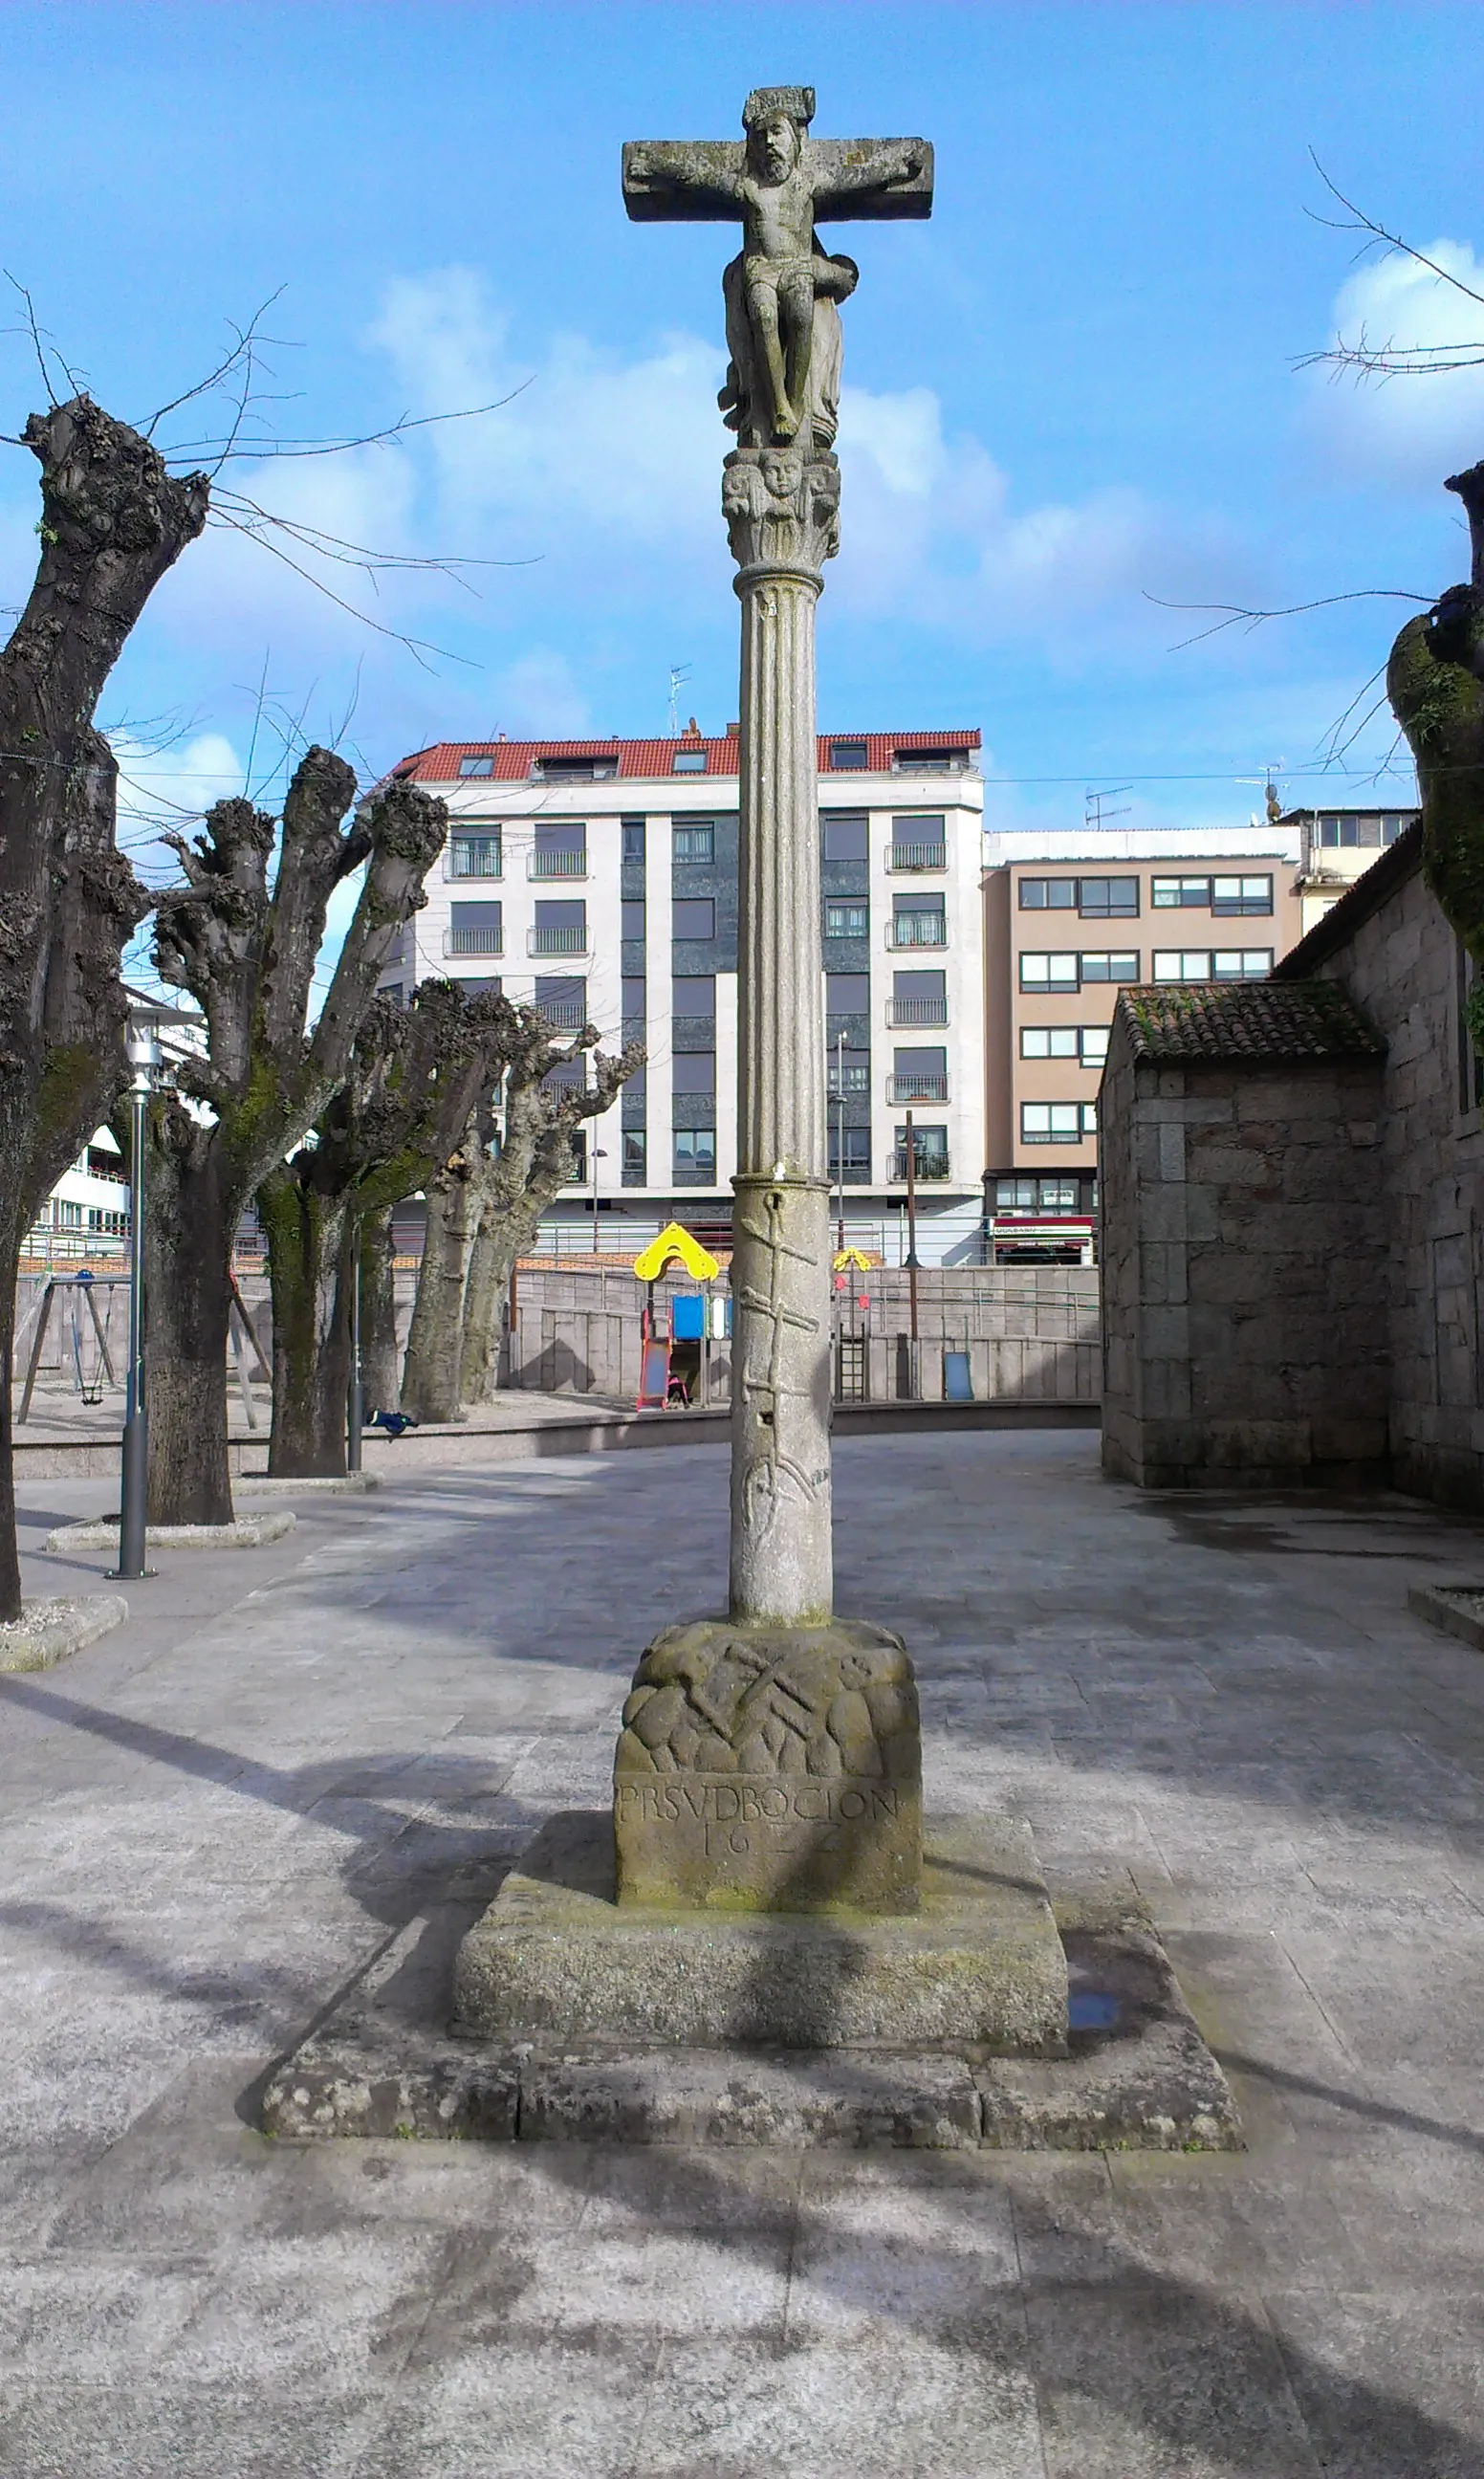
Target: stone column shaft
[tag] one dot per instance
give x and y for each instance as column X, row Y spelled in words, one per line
column 782, row 512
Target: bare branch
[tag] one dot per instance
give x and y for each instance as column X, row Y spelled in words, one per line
column 1238, row 613
column 1362, row 359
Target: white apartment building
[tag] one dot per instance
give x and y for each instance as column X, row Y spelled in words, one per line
column 598, row 880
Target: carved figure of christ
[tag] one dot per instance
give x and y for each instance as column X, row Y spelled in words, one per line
column 778, row 183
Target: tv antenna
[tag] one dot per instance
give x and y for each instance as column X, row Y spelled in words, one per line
column 1096, row 815
column 679, row 673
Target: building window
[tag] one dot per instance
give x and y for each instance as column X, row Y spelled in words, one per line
column 918, row 998
column 1032, row 1195
column 694, row 917
column 930, row 761
column 633, row 839
column 1093, row 1038
column 475, row 930
column 919, row 1076
column 693, row 1004
column 560, row 929
column 1107, row 899
column 476, row 766
column 694, row 842
column 632, row 999
column 693, row 1071
column 1048, row 895
column 632, row 918
column 918, row 921
column 475, row 855
column 688, row 762
column 846, row 994
column 1202, row 964
column 1057, row 1123
column 1048, row 973
column 930, row 1153
column 844, row 834
column 850, row 1153
column 1084, row 1042
column 562, row 1000
column 849, row 1071
column 1234, row 895
column 633, row 1157
column 847, row 757
column 1177, row 894
column 846, row 921
column 1109, row 969
column 577, row 770
column 560, row 851
column 695, row 1153
column 918, row 843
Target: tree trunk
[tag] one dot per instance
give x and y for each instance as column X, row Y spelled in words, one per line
column 189, row 1224
column 504, row 1233
column 306, row 1236
column 9, row 1556
column 380, row 1378
column 430, row 1379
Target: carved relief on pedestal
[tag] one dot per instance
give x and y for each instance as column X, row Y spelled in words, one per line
column 782, row 508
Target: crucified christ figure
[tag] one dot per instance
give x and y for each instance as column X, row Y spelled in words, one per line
column 782, row 292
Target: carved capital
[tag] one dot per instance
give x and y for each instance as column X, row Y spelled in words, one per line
column 782, row 508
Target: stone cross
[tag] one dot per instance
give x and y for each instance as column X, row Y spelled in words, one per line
column 780, row 500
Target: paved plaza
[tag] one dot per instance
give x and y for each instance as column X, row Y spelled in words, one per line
column 212, row 1820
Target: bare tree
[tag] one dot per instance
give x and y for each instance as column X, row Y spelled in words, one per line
column 246, row 954
column 485, row 1207
column 416, row 1075
column 113, row 521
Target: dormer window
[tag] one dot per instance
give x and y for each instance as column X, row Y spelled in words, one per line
column 929, row 762
column 576, row 770
column 688, row 762
column 847, row 757
column 477, row 766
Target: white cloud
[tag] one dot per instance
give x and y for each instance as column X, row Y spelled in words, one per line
column 1410, row 429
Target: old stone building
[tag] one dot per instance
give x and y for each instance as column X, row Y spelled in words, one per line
column 1292, row 1182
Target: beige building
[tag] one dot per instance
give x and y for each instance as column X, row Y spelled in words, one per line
column 1336, row 848
column 1061, row 936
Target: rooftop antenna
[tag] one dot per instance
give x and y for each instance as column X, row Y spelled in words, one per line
column 679, row 673
column 1096, row 815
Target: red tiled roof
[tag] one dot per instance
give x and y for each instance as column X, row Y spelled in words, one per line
column 1266, row 1022
column 651, row 759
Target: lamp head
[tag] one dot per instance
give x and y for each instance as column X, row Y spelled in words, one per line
column 142, row 1045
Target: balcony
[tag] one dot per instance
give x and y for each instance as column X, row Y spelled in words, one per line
column 916, row 930
column 557, row 864
column 474, row 942
column 927, row 1167
column 474, row 856
column 563, row 1015
column 907, row 856
column 917, row 1088
column 556, row 943
column 902, row 1012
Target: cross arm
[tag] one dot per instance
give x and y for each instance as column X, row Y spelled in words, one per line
column 682, row 180
column 875, row 180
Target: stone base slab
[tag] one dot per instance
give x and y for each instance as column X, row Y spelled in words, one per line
column 1141, row 2079
column 1458, row 1609
column 556, row 1960
column 47, row 1631
column 248, row 1532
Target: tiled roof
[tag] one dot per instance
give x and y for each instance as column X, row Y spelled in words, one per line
column 651, row 759
column 1263, row 1021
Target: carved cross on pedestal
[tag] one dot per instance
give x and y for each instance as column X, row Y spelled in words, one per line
column 778, row 183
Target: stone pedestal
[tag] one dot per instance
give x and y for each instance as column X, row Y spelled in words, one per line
column 775, row 1769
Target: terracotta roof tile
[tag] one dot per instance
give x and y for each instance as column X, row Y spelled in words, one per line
column 651, row 759
column 1262, row 1021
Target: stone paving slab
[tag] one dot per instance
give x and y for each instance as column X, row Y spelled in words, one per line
column 1222, row 1710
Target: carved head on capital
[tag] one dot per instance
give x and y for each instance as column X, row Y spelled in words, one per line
column 776, row 118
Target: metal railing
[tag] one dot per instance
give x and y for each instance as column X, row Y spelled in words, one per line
column 917, row 1088
column 474, row 942
column 557, row 942
column 563, row 1015
column 465, row 861
column 917, row 857
column 916, row 930
column 901, row 1012
column 925, row 1166
column 557, row 864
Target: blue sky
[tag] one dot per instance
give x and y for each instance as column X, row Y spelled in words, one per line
column 1074, row 389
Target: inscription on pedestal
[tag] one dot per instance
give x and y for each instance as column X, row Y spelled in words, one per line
column 771, row 1769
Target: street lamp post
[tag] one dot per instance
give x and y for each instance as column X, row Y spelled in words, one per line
column 839, row 1140
column 600, row 1154
column 143, row 1059
column 355, row 1400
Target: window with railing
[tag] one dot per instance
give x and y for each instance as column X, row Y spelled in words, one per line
column 918, row 1076
column 921, row 923
column 693, row 843
column 475, row 853
column 563, row 1001
column 918, row 843
column 1057, row 1123
column 475, row 930
column 1212, row 964
column 598, row 769
column 846, row 921
column 559, row 930
column 917, row 998
column 559, row 851
column 929, row 1153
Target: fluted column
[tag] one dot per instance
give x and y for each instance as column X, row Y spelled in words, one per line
column 782, row 512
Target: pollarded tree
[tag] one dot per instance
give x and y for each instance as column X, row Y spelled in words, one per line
column 245, row 950
column 1435, row 681
column 113, row 521
column 415, row 1076
column 484, row 1207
